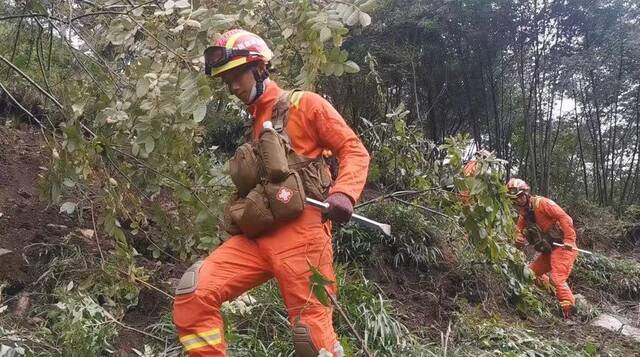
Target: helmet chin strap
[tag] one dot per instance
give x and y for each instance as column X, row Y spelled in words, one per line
column 258, row 87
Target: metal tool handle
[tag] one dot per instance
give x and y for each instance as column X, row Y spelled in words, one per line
column 385, row 228
column 573, row 248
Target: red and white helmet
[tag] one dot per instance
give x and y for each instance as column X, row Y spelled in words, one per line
column 233, row 49
column 482, row 154
column 516, row 187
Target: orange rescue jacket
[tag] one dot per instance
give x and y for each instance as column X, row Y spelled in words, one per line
column 547, row 213
column 314, row 127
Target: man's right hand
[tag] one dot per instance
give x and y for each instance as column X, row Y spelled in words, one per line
column 340, row 207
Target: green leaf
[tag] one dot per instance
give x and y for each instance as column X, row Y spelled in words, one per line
column 68, row 182
column 353, row 18
column 135, row 149
column 346, row 12
column 142, row 87
column 325, row 34
column 368, row 5
column 351, row 67
column 365, row 19
column 202, row 216
column 192, row 23
column 68, row 207
column 318, row 285
column 341, row 9
column 344, row 54
column 335, row 25
column 78, row 109
column 149, row 144
column 199, row 112
column 591, row 349
column 182, row 4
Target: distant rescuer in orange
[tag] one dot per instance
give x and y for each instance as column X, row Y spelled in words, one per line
column 541, row 222
column 471, row 169
column 274, row 235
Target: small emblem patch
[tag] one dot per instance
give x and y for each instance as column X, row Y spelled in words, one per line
column 284, row 195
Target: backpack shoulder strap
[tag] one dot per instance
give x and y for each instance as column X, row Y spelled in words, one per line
column 280, row 115
column 247, row 127
column 530, row 211
column 535, row 202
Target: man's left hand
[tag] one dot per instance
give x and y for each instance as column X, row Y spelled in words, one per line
column 340, row 207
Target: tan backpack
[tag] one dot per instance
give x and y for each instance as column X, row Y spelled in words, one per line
column 274, row 179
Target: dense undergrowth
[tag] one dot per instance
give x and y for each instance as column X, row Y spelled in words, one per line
column 447, row 283
column 82, row 299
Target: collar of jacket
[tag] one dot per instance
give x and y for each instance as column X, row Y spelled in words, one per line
column 262, row 108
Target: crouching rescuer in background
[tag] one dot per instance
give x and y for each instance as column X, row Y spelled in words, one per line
column 541, row 223
column 274, row 235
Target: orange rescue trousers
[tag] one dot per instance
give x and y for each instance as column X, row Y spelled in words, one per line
column 240, row 264
column 559, row 263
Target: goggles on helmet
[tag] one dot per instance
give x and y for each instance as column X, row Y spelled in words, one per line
column 514, row 192
column 216, row 56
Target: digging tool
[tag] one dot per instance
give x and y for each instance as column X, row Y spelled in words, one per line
column 385, row 228
column 579, row 250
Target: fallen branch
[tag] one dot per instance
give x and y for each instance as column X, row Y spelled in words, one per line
column 400, row 194
column 165, row 176
column 46, row 16
column 113, row 319
column 25, row 76
column 95, row 231
column 147, row 284
column 4, row 89
column 84, row 68
column 160, row 42
column 424, row 208
column 351, row 326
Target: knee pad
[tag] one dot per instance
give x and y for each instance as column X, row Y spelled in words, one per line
column 302, row 341
column 189, row 281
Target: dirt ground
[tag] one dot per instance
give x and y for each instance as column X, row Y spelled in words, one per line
column 25, row 221
column 27, row 224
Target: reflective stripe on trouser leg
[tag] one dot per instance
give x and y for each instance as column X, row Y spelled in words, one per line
column 200, row 339
column 231, row 269
column 565, row 303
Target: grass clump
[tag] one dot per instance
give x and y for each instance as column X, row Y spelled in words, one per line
column 620, row 277
column 415, row 241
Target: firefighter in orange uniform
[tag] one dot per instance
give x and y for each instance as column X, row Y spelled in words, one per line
column 541, row 223
column 285, row 249
column 471, row 168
